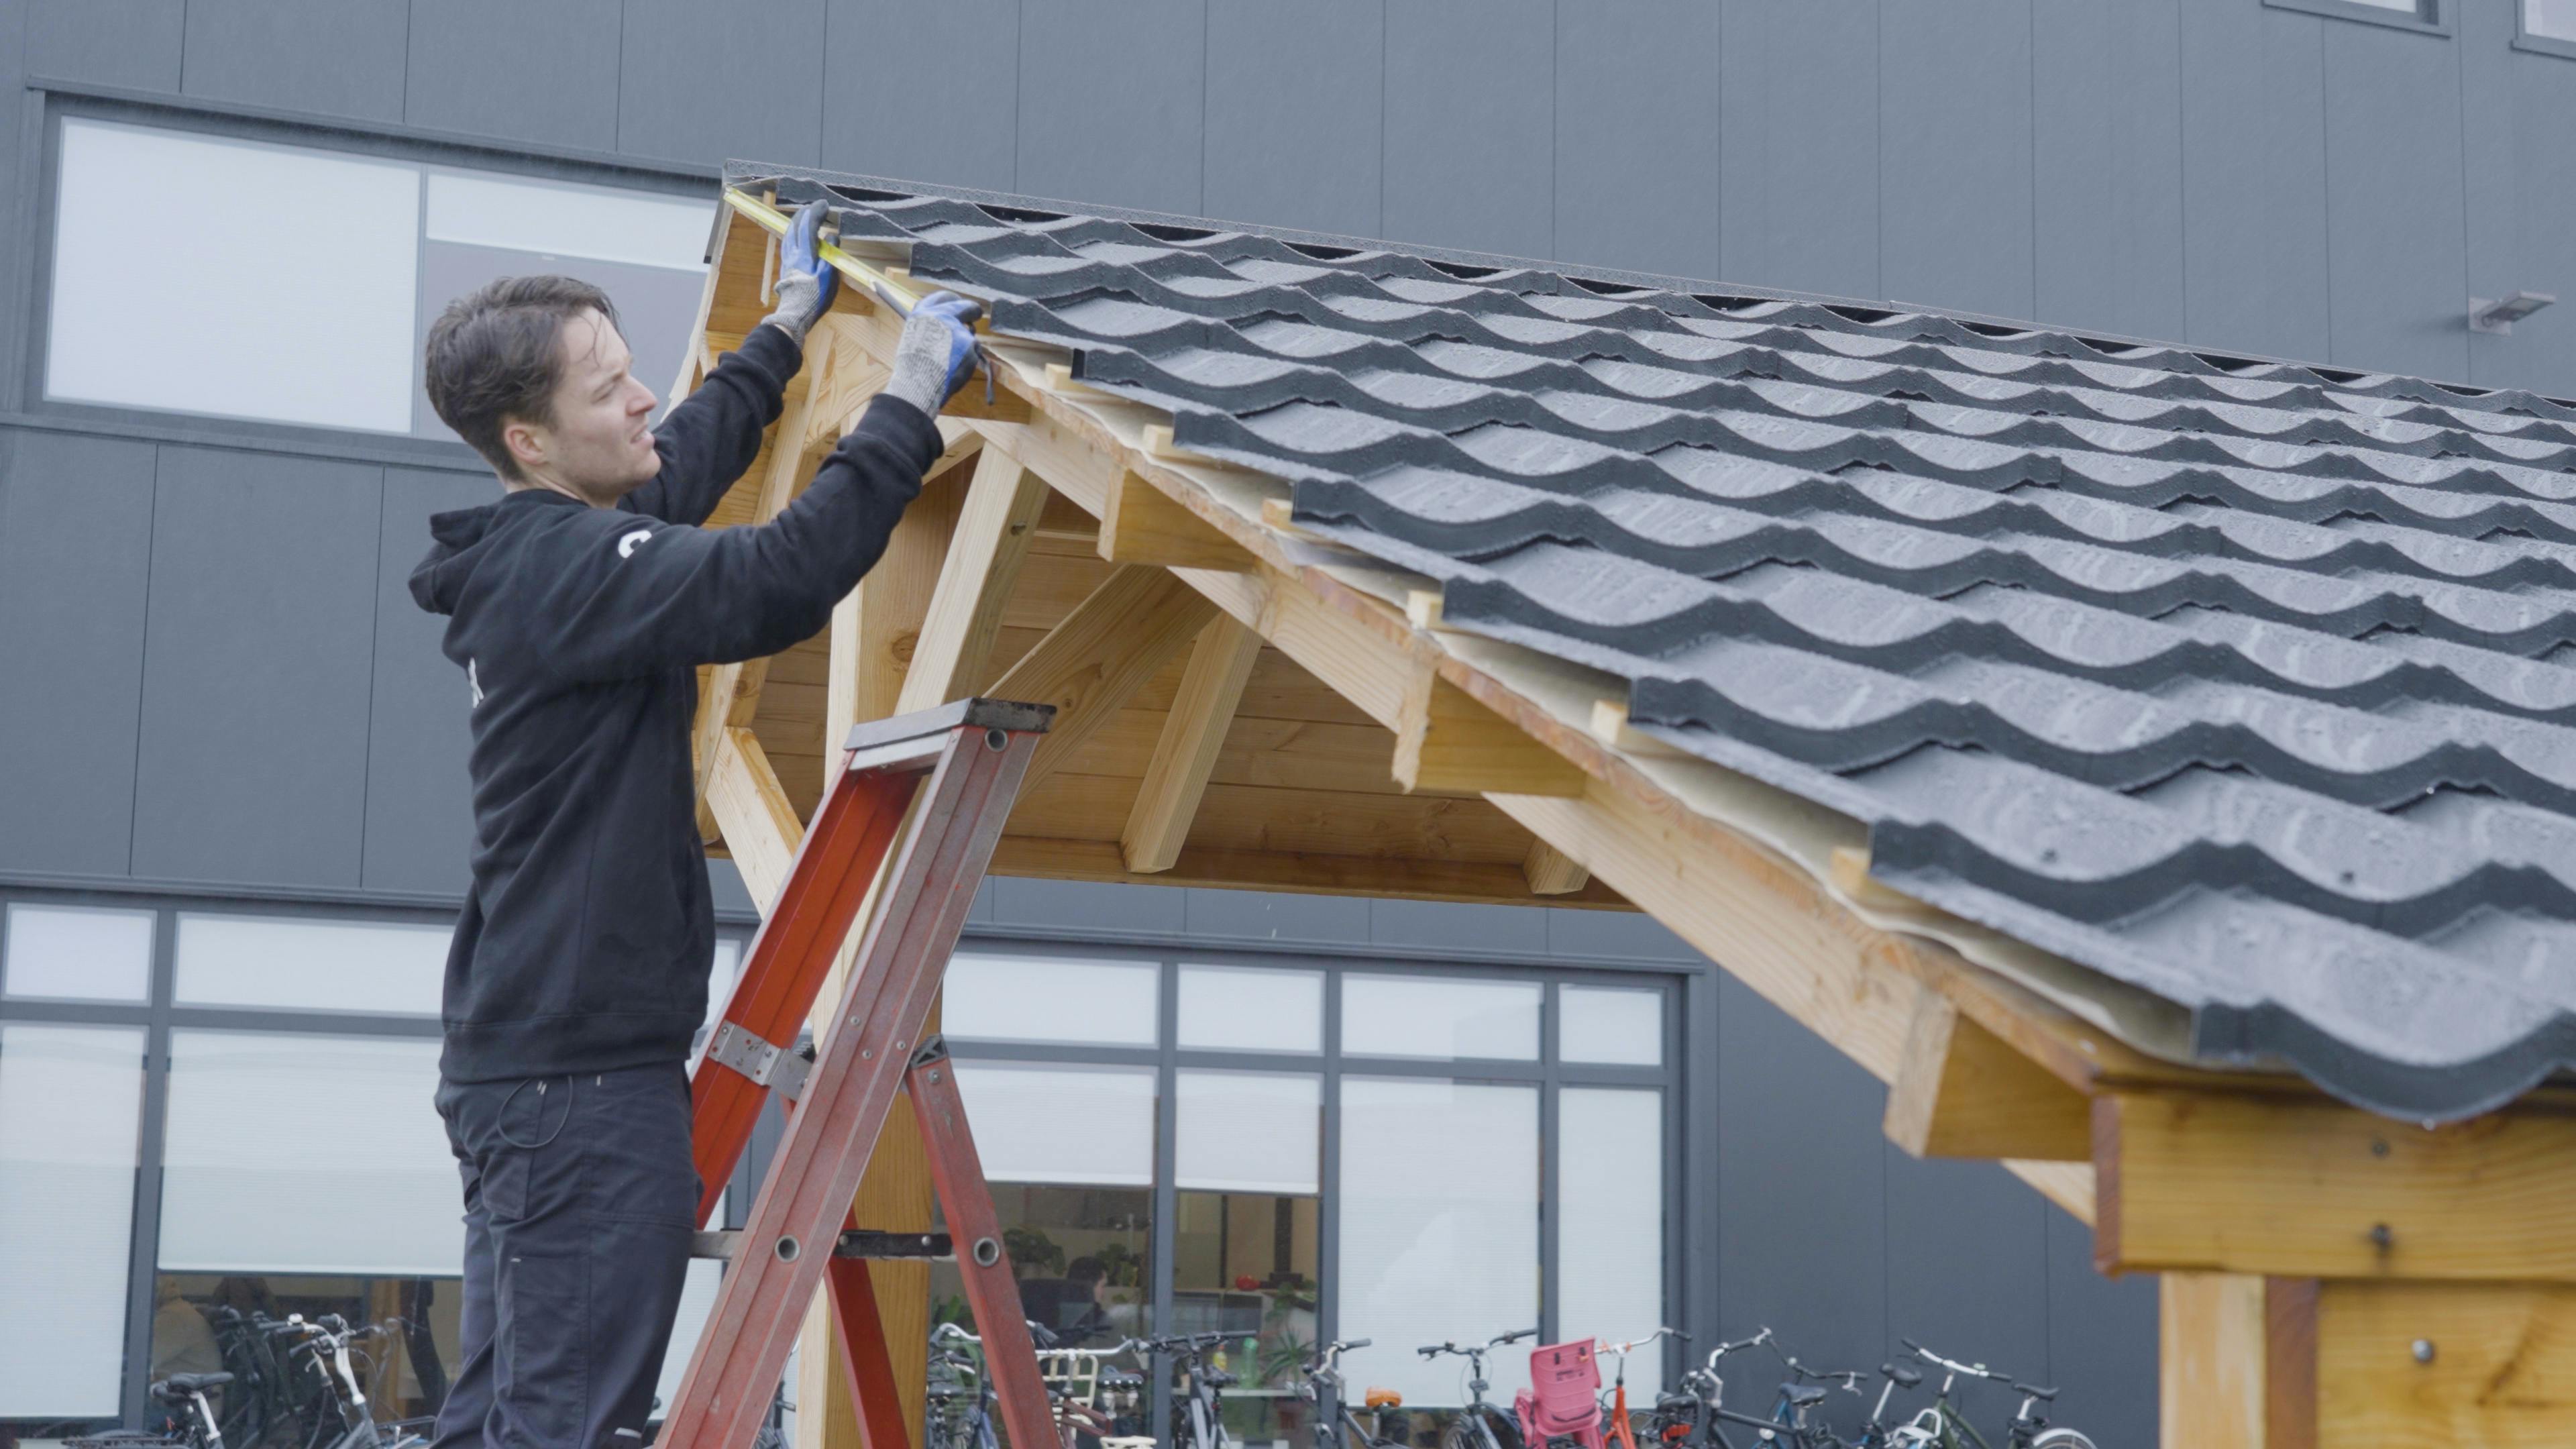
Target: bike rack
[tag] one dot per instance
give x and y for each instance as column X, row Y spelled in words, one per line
column 942, row 782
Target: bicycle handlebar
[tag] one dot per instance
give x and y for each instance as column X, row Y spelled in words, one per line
column 1974, row 1371
column 1723, row 1349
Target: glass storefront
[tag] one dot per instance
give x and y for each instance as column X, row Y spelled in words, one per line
column 209, row 1118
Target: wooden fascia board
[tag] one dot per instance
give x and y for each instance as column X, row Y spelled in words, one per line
column 2304, row 1187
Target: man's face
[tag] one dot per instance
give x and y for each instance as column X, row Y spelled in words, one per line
column 600, row 444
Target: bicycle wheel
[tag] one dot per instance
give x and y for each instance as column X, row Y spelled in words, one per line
column 2062, row 1438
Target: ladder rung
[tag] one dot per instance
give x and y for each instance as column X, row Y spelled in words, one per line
column 854, row 1243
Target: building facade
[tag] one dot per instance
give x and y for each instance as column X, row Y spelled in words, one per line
column 233, row 827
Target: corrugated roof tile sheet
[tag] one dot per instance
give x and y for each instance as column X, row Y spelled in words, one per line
column 2239, row 682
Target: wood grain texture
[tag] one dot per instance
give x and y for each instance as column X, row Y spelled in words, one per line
column 992, row 537
column 1961, row 1091
column 2302, row 1187
column 2502, row 1373
column 1090, row 665
column 1185, row 752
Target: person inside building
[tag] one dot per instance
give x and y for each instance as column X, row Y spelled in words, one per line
column 579, row 605
column 1075, row 1307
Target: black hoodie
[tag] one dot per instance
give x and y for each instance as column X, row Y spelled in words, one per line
column 588, row 933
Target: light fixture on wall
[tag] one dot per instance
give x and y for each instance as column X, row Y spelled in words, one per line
column 2499, row 316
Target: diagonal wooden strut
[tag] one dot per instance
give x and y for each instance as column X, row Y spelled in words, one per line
column 974, row 754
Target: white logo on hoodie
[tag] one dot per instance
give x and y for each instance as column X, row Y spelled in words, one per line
column 626, row 542
column 473, row 683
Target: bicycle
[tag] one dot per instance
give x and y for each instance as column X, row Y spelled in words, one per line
column 1619, row 1429
column 1479, row 1425
column 1198, row 1395
column 1705, row 1395
column 1940, row 1426
column 1874, row 1432
column 957, row 1404
column 1338, row 1426
column 324, row 1344
column 188, row 1420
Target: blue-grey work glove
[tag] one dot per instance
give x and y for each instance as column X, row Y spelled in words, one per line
column 806, row 283
column 937, row 352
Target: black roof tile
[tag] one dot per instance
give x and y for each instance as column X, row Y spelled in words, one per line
column 2234, row 680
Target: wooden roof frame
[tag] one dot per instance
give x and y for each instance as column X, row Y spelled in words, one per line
column 2305, row 1245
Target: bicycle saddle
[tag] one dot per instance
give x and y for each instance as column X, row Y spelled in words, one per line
column 1802, row 1395
column 1120, row 1379
column 2036, row 1392
column 1900, row 1375
column 1216, row 1378
column 180, row 1386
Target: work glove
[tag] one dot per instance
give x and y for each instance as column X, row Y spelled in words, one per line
column 936, row 353
column 806, row 283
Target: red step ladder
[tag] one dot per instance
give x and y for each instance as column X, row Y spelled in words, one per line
column 955, row 771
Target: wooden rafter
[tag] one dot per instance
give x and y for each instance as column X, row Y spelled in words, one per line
column 1176, row 779
column 1089, row 665
column 991, row 540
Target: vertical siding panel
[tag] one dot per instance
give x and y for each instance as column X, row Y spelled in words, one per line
column 2399, row 265
column 2519, row 110
column 130, row 43
column 1798, row 136
column 257, row 660
column 1955, row 131
column 884, row 118
column 544, row 73
column 741, row 81
column 1112, row 102
column 75, row 544
column 1470, row 125
column 420, row 821
column 1637, row 148
column 1294, row 133
column 2254, row 180
column 2107, row 153
column 330, row 57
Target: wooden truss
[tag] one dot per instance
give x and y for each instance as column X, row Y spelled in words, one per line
column 1244, row 705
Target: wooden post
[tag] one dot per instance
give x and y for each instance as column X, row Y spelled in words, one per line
column 2237, row 1359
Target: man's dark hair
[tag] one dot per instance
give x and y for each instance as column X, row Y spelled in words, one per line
column 492, row 357
column 1085, row 1271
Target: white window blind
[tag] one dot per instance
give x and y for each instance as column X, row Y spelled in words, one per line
column 556, row 220
column 1439, row 1229
column 298, row 269
column 1251, row 1009
column 1050, row 999
column 1615, row 1024
column 1610, row 1222
column 1062, row 1124
column 1255, row 1132
column 307, row 1154
column 296, row 964
column 1439, row 1018
column 76, row 953
column 69, row 1102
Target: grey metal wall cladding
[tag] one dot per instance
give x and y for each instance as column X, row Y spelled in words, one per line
column 1955, row 176
column 332, row 57
column 2100, row 1330
column 1628, row 70
column 2106, row 162
column 2522, row 186
column 2254, row 179
column 1470, row 125
column 2235, row 681
column 1798, row 194
column 256, row 675
column 1967, row 1255
column 109, row 42
column 1135, row 138
column 1295, row 101
column 419, row 822
column 2396, row 255
column 904, row 116
column 75, row 542
column 698, row 81
column 543, row 73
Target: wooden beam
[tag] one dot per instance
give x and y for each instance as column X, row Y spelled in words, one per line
column 1960, row 1091
column 2421, row 1365
column 1220, row 665
column 1293, row 872
column 1552, row 872
column 1141, row 524
column 760, row 826
column 2236, row 1362
column 2302, row 1187
column 984, row 555
column 1088, row 665
column 1445, row 739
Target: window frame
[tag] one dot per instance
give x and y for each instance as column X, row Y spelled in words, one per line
column 2527, row 39
column 2430, row 17
column 24, row 394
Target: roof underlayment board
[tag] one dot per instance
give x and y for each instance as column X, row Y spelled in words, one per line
column 2230, row 702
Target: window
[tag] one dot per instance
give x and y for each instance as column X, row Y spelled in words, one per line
column 311, row 276
column 2432, row 17
column 70, row 1098
column 309, row 965
column 2548, row 26
column 73, row 953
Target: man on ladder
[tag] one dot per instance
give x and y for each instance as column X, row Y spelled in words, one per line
column 579, row 605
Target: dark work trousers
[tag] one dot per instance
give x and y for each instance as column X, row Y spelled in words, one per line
column 580, row 1197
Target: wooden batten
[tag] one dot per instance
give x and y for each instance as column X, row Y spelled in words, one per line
column 1447, row 740
column 1552, row 872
